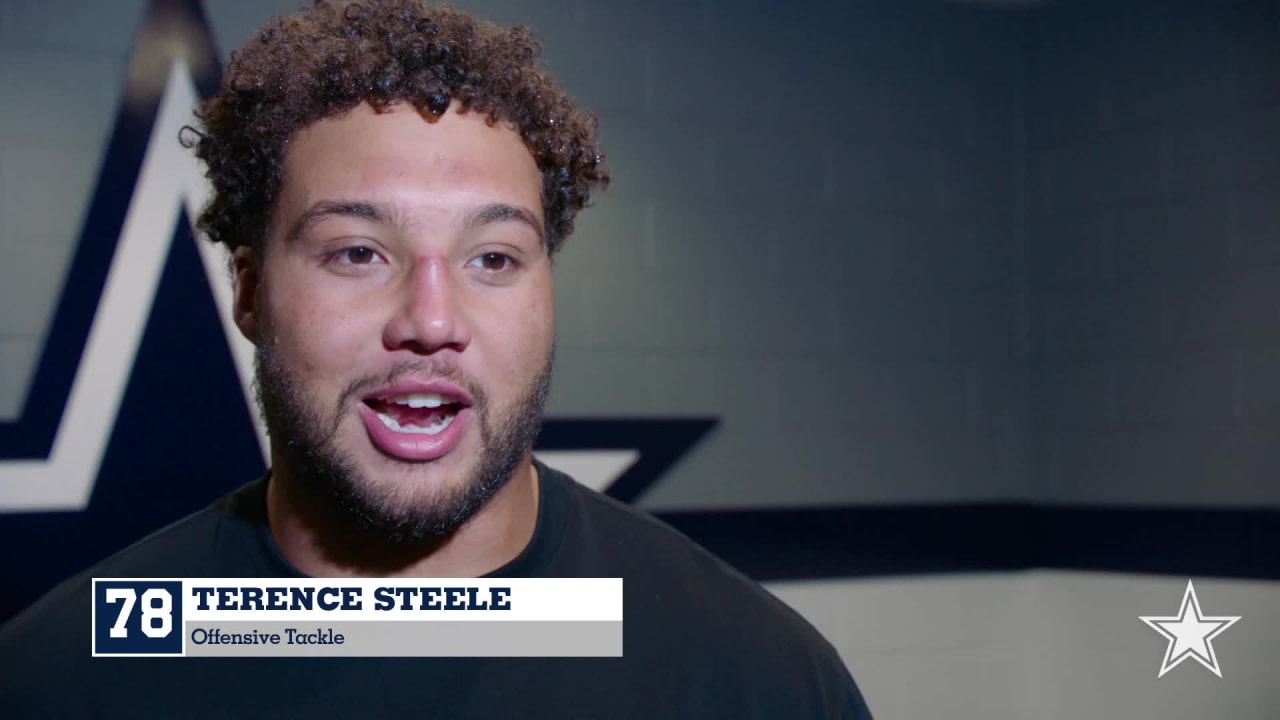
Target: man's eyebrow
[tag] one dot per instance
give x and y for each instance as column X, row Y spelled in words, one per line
column 336, row 208
column 501, row 212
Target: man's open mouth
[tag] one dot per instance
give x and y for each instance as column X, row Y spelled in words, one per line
column 417, row 413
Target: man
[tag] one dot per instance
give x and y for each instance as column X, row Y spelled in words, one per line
column 392, row 182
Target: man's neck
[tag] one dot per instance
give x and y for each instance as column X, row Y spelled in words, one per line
column 320, row 541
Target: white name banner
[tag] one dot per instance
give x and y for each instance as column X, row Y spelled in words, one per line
column 422, row 617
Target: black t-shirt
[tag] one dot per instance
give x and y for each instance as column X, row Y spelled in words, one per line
column 699, row 639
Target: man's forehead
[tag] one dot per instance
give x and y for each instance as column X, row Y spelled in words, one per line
column 395, row 157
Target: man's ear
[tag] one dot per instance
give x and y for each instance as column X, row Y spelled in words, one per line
column 246, row 281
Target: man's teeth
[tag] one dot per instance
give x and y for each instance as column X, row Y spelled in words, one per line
column 435, row 428
column 419, row 400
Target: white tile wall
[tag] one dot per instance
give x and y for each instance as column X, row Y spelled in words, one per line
column 1043, row 645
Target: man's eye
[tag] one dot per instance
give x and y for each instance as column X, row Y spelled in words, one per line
column 356, row 256
column 494, row 261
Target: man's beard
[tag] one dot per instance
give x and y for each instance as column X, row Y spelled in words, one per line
column 310, row 450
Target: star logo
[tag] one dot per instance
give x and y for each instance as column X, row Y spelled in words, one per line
column 1190, row 634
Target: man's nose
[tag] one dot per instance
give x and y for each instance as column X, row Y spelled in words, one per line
column 430, row 313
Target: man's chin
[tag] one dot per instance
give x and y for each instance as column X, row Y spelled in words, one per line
column 406, row 502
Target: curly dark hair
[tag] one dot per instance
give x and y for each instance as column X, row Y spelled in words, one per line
column 326, row 59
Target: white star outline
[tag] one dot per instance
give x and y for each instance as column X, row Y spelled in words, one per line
column 1190, row 634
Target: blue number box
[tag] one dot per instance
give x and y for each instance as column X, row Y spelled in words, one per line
column 137, row 617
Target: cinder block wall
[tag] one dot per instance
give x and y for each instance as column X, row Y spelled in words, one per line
column 809, row 237
column 1155, row 183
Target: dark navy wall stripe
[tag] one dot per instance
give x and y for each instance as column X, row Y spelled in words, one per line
column 1191, row 542
column 910, row 539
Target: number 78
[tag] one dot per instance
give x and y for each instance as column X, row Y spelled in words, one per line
column 157, row 611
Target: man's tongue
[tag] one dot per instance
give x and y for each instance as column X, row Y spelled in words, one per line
column 430, row 417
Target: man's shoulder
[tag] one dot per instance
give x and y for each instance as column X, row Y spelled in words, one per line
column 635, row 541
column 727, row 626
column 60, row 618
column 185, row 548
column 641, row 545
